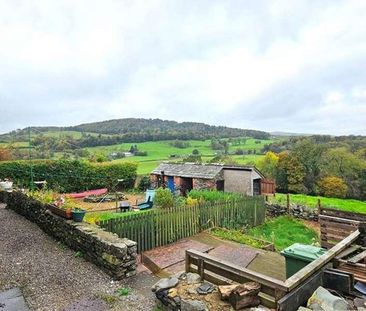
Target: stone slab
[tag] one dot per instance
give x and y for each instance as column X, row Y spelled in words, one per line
column 236, row 254
column 12, row 300
column 169, row 255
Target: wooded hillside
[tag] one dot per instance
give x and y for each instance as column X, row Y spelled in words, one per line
column 140, row 130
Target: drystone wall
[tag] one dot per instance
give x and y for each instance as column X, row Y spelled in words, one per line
column 297, row 211
column 114, row 255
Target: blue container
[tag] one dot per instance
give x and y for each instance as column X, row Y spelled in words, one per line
column 78, row 215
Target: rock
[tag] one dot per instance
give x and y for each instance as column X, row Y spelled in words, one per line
column 327, row 301
column 315, row 307
column 181, row 275
column 225, row 291
column 205, row 288
column 303, row 309
column 360, row 303
column 193, row 305
column 165, row 283
column 245, row 295
column 172, row 293
column 192, row 291
column 192, row 278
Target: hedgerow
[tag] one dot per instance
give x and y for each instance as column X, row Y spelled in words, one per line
column 69, row 176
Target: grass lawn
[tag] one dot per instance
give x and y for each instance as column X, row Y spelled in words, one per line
column 284, row 231
column 348, row 205
column 239, row 237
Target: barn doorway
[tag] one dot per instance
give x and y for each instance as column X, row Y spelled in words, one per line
column 220, row 185
column 186, row 185
column 256, row 186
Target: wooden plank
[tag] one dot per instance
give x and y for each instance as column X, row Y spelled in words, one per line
column 331, row 219
column 299, row 296
column 320, row 262
column 249, row 274
column 348, row 251
column 343, row 214
column 358, row 257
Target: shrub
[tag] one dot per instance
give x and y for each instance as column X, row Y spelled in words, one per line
column 193, row 158
column 164, row 198
column 212, row 196
column 195, row 152
column 332, row 186
column 144, row 183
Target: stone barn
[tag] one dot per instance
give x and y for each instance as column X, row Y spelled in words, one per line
column 182, row 177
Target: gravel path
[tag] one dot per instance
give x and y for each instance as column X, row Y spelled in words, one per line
column 53, row 278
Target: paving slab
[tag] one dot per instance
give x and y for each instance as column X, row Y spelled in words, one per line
column 237, row 254
column 169, row 255
column 12, row 300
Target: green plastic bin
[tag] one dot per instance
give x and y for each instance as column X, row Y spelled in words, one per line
column 299, row 255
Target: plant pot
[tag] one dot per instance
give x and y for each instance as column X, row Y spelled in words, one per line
column 68, row 213
column 78, row 215
column 62, row 212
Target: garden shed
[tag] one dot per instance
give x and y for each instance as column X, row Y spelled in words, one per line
column 182, row 177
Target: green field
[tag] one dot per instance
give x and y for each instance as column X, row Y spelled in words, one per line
column 158, row 151
column 284, row 231
column 348, row 205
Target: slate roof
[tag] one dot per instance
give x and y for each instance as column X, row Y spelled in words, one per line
column 207, row 171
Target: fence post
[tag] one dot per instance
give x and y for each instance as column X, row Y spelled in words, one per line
column 319, row 206
column 255, row 213
column 188, row 262
column 288, row 203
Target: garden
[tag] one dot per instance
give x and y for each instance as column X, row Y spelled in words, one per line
column 227, row 215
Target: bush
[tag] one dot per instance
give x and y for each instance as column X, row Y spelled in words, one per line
column 333, row 187
column 212, row 196
column 70, row 176
column 193, row 158
column 164, row 198
column 144, row 183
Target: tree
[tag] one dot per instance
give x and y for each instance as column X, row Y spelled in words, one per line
column 342, row 163
column 268, row 164
column 290, row 174
column 195, row 152
column 332, row 186
column 5, row 154
column 309, row 154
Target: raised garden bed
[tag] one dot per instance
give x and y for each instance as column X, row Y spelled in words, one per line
column 240, row 237
column 62, row 212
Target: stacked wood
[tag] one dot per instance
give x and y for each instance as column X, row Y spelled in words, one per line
column 245, row 296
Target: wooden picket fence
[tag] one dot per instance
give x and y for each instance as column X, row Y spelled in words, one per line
column 159, row 227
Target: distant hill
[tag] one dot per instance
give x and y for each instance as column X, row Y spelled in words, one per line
column 139, row 130
column 289, row 134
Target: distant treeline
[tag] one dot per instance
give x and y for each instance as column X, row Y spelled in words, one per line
column 140, row 130
column 318, row 165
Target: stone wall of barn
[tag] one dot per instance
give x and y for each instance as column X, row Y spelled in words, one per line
column 238, row 181
column 207, row 184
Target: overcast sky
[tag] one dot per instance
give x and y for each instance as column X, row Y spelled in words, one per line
column 297, row 66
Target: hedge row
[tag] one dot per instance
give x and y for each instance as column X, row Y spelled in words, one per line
column 70, row 176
